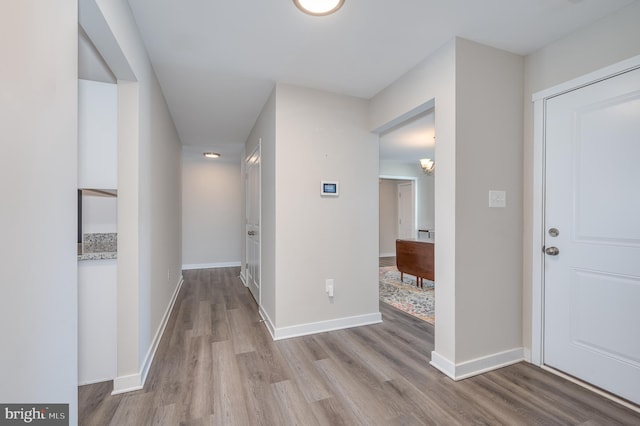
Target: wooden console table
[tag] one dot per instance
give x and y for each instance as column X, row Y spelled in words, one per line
column 415, row 257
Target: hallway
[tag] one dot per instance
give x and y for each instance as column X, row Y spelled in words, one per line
column 218, row 365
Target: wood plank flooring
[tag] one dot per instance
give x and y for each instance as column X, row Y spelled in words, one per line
column 387, row 261
column 217, row 365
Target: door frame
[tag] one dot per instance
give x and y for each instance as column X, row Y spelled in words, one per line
column 414, row 207
column 257, row 152
column 414, row 184
column 539, row 100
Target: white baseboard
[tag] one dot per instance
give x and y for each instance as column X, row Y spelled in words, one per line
column 211, row 265
column 476, row 366
column 136, row 382
column 243, row 278
column 267, row 321
column 124, row 384
column 387, row 254
column 322, row 326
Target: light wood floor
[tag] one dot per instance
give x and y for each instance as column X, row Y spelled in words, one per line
column 217, row 365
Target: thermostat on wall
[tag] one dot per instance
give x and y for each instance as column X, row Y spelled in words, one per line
column 329, row 188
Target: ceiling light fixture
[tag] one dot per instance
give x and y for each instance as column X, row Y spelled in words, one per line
column 211, row 155
column 428, row 166
column 318, row 7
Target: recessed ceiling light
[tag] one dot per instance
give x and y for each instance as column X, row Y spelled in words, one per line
column 211, row 155
column 318, row 7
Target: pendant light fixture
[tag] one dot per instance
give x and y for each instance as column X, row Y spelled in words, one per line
column 318, row 7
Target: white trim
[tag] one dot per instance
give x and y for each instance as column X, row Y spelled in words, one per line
column 256, row 152
column 587, row 79
column 124, row 384
column 322, row 326
column 211, row 265
column 427, row 106
column 394, row 177
column 476, row 366
column 443, row 364
column 387, row 254
column 537, row 259
column 267, row 321
column 537, row 238
column 136, row 381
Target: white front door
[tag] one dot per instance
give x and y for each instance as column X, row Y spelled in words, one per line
column 252, row 228
column 405, row 210
column 592, row 234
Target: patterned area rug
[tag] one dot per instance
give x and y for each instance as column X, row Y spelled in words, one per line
column 404, row 295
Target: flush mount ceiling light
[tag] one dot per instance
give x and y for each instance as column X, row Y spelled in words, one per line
column 318, row 7
column 211, row 155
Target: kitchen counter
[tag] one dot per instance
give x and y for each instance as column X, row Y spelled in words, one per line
column 98, row 256
column 98, row 246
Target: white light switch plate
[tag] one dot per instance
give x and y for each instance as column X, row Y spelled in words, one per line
column 498, row 199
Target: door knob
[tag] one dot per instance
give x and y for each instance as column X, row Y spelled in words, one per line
column 552, row 251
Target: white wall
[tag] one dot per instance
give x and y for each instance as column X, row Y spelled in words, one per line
column 425, row 184
column 488, row 240
column 99, row 214
column 212, row 212
column 308, row 136
column 149, row 193
column 91, row 66
column 477, row 92
column 38, row 180
column 97, row 135
column 322, row 136
column 97, row 320
column 603, row 43
column 433, row 79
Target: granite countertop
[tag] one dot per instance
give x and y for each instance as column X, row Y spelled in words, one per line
column 98, row 256
column 98, row 246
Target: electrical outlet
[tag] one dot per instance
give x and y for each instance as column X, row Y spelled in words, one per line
column 328, row 284
column 497, row 199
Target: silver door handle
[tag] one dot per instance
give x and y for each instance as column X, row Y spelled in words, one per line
column 251, row 233
column 552, row 251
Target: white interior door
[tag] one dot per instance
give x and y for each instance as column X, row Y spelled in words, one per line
column 406, row 209
column 252, row 245
column 592, row 199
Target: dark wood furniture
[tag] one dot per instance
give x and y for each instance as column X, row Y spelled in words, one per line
column 415, row 257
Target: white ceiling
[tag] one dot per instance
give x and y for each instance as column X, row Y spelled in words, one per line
column 410, row 141
column 217, row 61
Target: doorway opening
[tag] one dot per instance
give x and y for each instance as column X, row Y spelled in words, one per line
column 406, row 214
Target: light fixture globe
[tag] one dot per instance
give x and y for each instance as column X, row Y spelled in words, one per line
column 318, row 7
column 428, row 166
